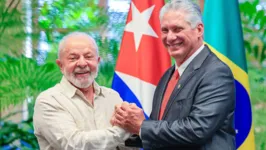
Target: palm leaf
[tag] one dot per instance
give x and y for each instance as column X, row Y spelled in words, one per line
column 22, row 78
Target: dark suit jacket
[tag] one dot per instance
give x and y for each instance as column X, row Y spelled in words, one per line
column 200, row 111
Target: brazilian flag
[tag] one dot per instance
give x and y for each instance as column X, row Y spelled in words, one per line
column 223, row 34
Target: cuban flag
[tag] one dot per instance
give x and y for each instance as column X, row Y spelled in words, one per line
column 142, row 58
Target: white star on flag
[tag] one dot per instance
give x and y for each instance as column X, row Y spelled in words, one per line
column 139, row 24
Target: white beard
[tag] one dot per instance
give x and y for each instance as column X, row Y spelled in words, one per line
column 82, row 82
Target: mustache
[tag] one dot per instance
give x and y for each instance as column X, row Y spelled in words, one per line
column 82, row 70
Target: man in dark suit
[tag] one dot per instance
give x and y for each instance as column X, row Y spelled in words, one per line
column 194, row 102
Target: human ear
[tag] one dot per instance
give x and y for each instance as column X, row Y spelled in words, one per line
column 59, row 64
column 200, row 29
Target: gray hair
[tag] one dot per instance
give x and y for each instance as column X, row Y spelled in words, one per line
column 193, row 13
column 62, row 43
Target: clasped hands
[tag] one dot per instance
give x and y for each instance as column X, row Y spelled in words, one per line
column 128, row 116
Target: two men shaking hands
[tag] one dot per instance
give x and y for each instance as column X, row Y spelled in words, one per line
column 129, row 117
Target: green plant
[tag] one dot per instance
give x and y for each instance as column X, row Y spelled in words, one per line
column 63, row 16
column 22, row 78
column 11, row 27
column 254, row 24
column 109, row 49
column 257, row 92
column 17, row 135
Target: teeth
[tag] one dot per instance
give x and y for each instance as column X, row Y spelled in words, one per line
column 178, row 44
column 81, row 72
column 175, row 45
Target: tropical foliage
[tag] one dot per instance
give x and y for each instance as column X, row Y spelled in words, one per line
column 254, row 25
column 23, row 75
column 23, row 78
column 11, row 27
column 17, row 135
column 253, row 18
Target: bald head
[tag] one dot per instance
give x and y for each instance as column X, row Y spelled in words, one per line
column 73, row 40
column 78, row 59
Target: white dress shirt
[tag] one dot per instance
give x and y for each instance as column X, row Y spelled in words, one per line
column 184, row 65
column 64, row 119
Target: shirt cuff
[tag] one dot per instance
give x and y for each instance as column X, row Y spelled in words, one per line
column 122, row 134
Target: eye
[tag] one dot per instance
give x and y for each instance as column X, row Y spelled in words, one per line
column 177, row 29
column 164, row 30
column 73, row 58
column 89, row 57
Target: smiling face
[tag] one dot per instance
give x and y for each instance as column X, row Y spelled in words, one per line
column 79, row 61
column 179, row 37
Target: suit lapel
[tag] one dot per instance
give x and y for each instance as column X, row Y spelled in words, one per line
column 189, row 72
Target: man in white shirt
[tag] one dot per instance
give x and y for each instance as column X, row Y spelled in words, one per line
column 194, row 102
column 75, row 113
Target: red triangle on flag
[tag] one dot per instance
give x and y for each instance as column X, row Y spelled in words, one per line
column 142, row 53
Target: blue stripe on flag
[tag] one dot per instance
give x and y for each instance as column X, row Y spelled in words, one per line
column 126, row 94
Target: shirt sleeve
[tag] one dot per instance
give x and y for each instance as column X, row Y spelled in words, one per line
column 58, row 127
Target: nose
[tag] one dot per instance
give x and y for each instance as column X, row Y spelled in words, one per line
column 170, row 37
column 82, row 62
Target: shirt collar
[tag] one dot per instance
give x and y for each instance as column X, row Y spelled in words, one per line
column 184, row 65
column 71, row 90
column 97, row 89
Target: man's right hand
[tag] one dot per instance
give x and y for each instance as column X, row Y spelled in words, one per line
column 118, row 106
column 129, row 117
